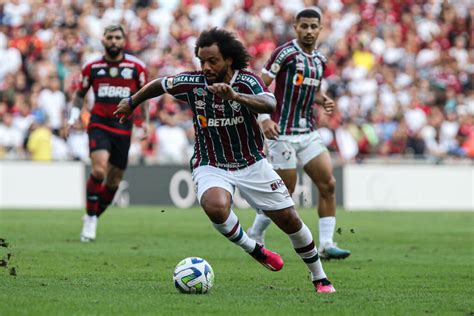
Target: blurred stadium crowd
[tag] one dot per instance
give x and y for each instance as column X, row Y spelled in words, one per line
column 401, row 72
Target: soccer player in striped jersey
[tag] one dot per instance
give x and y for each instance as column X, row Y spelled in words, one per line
column 113, row 76
column 228, row 153
column 291, row 132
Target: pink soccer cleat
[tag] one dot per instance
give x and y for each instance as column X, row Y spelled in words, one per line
column 270, row 260
column 323, row 286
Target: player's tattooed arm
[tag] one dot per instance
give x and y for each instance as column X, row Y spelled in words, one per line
column 262, row 103
column 126, row 106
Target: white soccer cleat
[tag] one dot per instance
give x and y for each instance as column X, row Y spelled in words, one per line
column 89, row 228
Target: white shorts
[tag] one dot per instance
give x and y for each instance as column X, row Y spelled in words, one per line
column 259, row 184
column 287, row 150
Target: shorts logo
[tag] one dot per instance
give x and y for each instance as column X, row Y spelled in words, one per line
column 277, row 184
column 127, row 73
column 113, row 72
column 286, row 154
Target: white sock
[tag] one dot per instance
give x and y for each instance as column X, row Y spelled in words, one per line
column 304, row 246
column 232, row 230
column 260, row 224
column 326, row 230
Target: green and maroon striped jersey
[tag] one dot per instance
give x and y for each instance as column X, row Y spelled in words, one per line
column 227, row 133
column 298, row 78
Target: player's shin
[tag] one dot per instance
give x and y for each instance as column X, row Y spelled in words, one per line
column 106, row 196
column 232, row 230
column 93, row 188
column 304, row 246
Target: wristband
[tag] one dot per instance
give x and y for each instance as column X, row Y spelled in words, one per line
column 74, row 115
column 263, row 117
column 130, row 104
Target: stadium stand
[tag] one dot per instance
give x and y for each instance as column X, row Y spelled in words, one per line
column 401, row 72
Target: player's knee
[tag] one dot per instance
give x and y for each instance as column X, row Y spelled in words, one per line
column 328, row 188
column 98, row 172
column 216, row 208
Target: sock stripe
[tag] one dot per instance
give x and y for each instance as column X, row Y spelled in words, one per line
column 311, row 259
column 305, row 248
column 239, row 236
column 233, row 230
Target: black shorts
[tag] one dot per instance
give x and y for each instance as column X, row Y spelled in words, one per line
column 116, row 144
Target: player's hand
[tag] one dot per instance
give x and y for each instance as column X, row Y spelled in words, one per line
column 223, row 91
column 328, row 104
column 123, row 110
column 270, row 129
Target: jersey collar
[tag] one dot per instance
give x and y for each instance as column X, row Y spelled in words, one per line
column 295, row 42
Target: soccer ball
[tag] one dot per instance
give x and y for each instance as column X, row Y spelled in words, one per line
column 193, row 275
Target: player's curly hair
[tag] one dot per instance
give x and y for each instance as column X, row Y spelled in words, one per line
column 229, row 46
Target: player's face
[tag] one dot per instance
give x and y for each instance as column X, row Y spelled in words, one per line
column 307, row 30
column 213, row 64
column 114, row 43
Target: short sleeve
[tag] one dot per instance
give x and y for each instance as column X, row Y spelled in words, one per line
column 276, row 62
column 85, row 79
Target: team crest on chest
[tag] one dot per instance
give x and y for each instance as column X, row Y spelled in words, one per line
column 200, row 92
column 127, row 73
column 235, row 106
column 113, row 72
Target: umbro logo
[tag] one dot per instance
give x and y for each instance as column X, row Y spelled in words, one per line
column 101, row 72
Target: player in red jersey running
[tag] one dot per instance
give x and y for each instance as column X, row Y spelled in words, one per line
column 113, row 76
column 298, row 71
column 228, row 153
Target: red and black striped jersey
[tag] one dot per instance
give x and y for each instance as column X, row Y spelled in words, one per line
column 227, row 133
column 298, row 77
column 111, row 82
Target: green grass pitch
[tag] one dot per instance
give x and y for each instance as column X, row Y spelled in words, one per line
column 402, row 264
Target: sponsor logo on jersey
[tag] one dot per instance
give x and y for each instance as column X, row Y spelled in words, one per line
column 202, row 121
column 218, row 106
column 108, row 91
column 113, row 72
column 127, row 73
column 299, row 79
column 219, row 122
column 101, row 72
column 184, row 78
column 275, row 68
column 169, row 83
column 249, row 79
column 200, row 104
column 234, row 105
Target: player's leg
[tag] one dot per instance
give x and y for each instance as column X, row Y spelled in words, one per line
column 214, row 192
column 283, row 158
column 300, row 236
column 264, row 190
column 120, row 144
column 320, row 171
column 110, row 187
column 99, row 148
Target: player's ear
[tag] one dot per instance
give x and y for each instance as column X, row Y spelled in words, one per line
column 229, row 61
